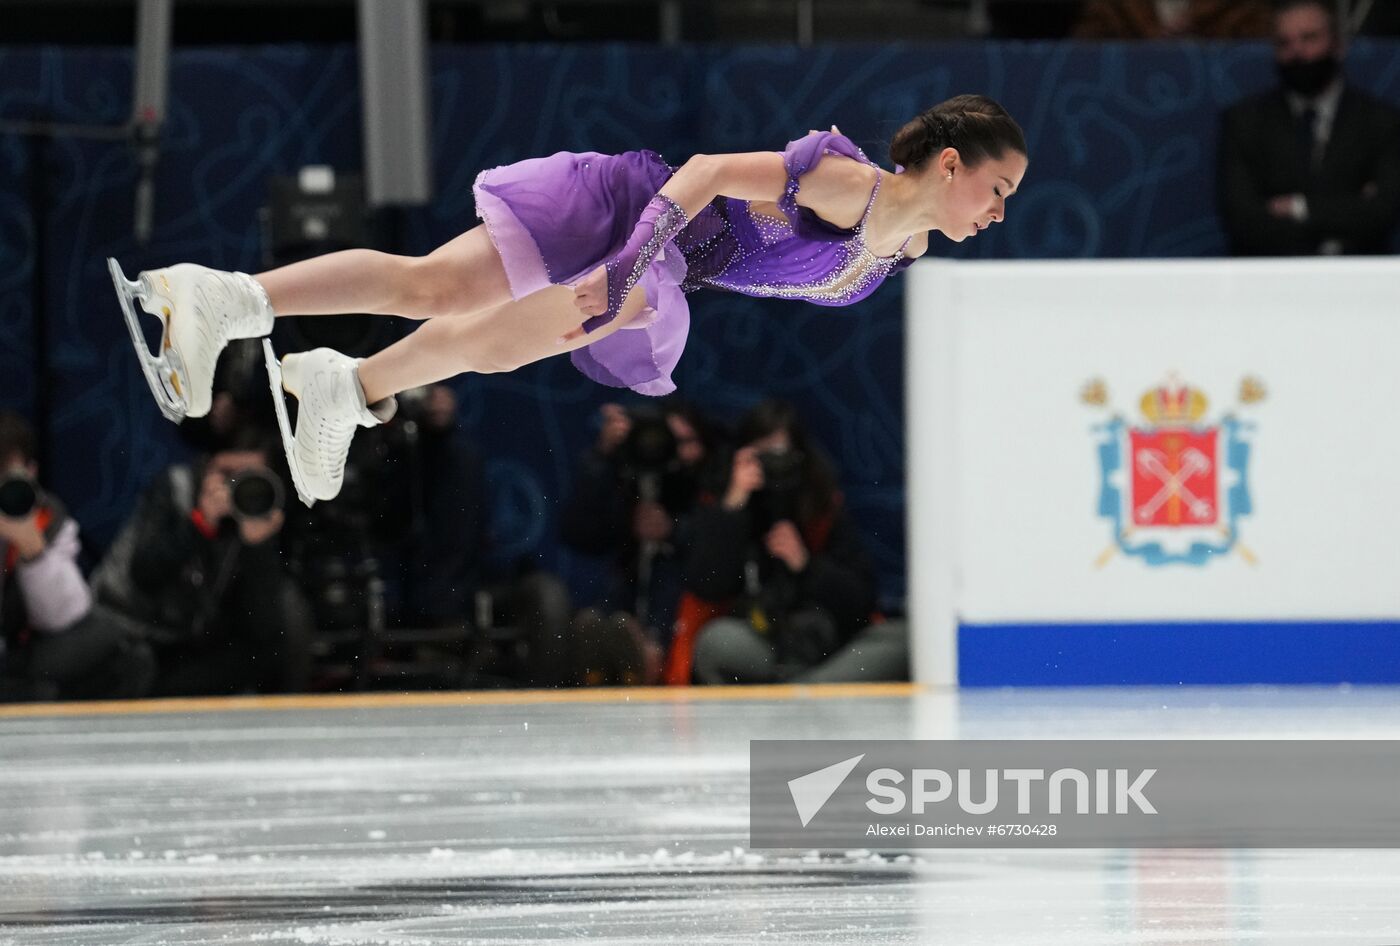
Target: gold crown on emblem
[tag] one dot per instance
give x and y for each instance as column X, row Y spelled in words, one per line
column 1174, row 404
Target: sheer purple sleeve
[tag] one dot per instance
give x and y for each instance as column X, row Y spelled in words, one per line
column 662, row 219
column 802, row 155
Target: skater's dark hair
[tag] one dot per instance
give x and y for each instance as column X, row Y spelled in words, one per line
column 16, row 437
column 975, row 125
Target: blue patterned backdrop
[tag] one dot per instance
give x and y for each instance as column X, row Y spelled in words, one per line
column 1122, row 140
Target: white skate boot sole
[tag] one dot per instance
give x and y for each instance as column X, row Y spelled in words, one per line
column 279, row 404
column 164, row 369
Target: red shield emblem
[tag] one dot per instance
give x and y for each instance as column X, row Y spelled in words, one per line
column 1174, row 477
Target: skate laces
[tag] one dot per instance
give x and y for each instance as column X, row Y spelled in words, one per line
column 332, row 430
column 228, row 307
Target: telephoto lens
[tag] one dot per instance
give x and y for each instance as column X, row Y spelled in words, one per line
column 18, row 497
column 255, row 493
column 650, row 446
column 782, row 470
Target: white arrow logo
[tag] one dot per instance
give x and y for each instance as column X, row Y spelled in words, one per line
column 811, row 792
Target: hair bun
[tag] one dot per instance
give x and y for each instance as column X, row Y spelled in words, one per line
column 975, row 125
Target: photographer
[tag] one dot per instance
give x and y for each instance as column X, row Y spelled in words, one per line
column 779, row 552
column 197, row 569
column 634, row 492
column 52, row 646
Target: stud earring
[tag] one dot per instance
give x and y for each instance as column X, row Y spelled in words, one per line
column 950, row 175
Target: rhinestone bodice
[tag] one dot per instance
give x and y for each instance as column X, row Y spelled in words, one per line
column 731, row 246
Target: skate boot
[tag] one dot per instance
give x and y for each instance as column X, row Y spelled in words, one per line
column 201, row 310
column 331, row 404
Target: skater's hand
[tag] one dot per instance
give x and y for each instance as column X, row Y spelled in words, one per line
column 591, row 295
column 23, row 534
column 785, row 543
column 259, row 530
column 617, row 424
column 834, row 130
column 745, row 478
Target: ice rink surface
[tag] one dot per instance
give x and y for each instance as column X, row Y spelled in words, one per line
column 618, row 821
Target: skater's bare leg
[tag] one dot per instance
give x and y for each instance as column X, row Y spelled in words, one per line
column 496, row 340
column 336, row 394
column 460, row 277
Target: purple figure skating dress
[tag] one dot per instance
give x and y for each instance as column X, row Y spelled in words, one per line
column 554, row 220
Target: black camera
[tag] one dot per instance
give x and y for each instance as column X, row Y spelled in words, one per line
column 782, row 470
column 782, row 484
column 18, row 496
column 255, row 493
column 650, row 447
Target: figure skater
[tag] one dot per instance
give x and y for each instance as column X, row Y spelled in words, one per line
column 590, row 254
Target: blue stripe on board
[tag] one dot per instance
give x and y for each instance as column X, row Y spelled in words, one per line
column 1179, row 653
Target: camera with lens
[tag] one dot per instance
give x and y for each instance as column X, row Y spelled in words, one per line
column 782, row 484
column 18, row 495
column 255, row 493
column 650, row 448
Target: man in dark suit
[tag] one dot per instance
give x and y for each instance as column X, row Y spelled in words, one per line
column 1312, row 167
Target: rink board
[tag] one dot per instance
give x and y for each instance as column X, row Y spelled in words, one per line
column 1154, row 472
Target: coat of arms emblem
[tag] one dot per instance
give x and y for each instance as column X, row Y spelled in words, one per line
column 1175, row 485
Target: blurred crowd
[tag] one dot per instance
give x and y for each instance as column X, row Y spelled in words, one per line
column 730, row 556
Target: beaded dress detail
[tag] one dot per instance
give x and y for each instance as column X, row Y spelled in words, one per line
column 729, row 246
column 555, row 219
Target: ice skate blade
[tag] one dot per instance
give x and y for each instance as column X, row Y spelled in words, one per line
column 164, row 371
column 279, row 404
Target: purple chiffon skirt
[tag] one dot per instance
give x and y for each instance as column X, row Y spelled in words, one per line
column 556, row 219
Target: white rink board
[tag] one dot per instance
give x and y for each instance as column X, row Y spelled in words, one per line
column 1003, row 468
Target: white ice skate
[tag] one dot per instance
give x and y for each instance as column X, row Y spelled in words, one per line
column 200, row 310
column 331, row 404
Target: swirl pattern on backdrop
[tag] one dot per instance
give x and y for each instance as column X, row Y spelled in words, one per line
column 1122, row 140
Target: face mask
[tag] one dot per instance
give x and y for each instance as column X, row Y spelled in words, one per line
column 1308, row 77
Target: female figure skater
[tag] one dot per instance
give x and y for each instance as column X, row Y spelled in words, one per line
column 590, row 254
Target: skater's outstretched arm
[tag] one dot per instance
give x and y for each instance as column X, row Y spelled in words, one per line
column 754, row 175
column 832, row 188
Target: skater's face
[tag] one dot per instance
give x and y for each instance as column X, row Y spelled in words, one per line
column 973, row 198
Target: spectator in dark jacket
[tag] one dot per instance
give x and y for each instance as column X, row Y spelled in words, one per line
column 197, row 569
column 1312, row 166
column 52, row 645
column 779, row 549
column 434, row 555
